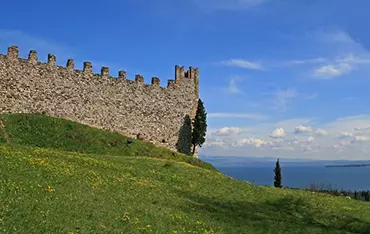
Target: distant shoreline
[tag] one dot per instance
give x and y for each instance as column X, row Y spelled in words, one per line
column 349, row 165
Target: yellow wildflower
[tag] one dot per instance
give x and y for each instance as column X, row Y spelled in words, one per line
column 126, row 217
column 49, row 189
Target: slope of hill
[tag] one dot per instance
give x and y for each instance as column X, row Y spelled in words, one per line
column 49, row 188
column 48, row 132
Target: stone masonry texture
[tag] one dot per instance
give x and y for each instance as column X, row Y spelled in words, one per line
column 129, row 107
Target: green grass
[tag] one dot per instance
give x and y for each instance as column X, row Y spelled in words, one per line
column 56, row 190
column 48, row 132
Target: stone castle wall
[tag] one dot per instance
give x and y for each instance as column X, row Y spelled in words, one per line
column 129, row 107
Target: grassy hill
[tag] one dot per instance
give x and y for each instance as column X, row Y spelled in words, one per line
column 38, row 130
column 51, row 184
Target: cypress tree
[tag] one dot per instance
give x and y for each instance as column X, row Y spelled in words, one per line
column 199, row 126
column 277, row 178
column 363, row 195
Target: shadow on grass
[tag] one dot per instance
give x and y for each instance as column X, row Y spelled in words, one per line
column 286, row 214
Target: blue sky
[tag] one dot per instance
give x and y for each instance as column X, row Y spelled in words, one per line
column 287, row 78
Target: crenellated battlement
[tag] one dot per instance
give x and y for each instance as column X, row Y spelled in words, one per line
column 100, row 100
column 180, row 73
column 32, row 57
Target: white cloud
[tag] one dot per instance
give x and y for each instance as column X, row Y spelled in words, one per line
column 332, row 70
column 348, row 124
column 330, row 36
column 341, row 145
column 282, row 98
column 352, row 59
column 237, row 116
column 282, row 148
column 362, row 129
column 304, row 61
column 310, row 139
column 255, row 142
column 227, row 131
column 233, row 87
column 345, row 134
column 337, row 54
column 294, row 141
column 354, row 53
column 303, row 129
column 311, row 96
column 292, row 123
column 360, row 138
column 215, row 143
column 321, row 132
column 242, row 64
column 333, row 36
column 278, row 133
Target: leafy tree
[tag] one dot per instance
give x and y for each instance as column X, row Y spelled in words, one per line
column 277, row 179
column 199, row 126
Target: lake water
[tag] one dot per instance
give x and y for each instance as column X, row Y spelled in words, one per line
column 299, row 174
column 302, row 177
